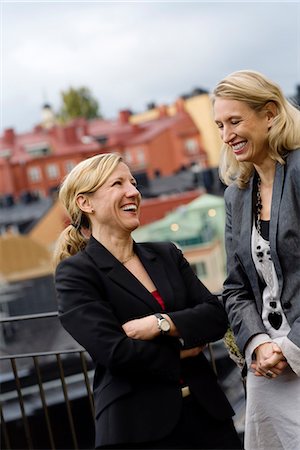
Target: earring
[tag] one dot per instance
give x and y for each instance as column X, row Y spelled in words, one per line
column 92, row 211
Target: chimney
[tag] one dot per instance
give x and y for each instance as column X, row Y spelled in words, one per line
column 38, row 128
column 180, row 105
column 70, row 134
column 124, row 115
column 163, row 111
column 9, row 136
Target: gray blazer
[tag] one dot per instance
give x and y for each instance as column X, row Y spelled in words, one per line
column 242, row 288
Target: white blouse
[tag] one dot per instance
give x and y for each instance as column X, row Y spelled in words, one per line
column 273, row 317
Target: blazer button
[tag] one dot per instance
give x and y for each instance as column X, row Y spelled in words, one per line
column 287, row 305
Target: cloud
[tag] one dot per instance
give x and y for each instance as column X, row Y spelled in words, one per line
column 131, row 53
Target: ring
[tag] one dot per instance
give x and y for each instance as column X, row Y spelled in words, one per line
column 269, row 374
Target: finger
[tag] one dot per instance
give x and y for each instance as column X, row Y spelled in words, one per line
column 281, row 365
column 276, row 348
column 269, row 374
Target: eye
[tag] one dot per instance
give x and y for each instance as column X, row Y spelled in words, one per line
column 117, row 183
column 219, row 125
column 235, row 121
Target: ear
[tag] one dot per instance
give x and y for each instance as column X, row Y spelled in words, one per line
column 271, row 112
column 84, row 203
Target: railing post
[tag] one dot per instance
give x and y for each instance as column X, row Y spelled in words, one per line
column 22, row 406
column 5, row 433
column 68, row 406
column 87, row 383
column 44, row 403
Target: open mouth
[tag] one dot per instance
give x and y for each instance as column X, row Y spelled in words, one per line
column 238, row 148
column 130, row 208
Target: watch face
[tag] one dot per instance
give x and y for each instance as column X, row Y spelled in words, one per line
column 164, row 325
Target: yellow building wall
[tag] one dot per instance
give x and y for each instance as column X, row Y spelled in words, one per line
column 200, row 110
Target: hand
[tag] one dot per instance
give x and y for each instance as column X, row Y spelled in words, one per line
column 192, row 352
column 144, row 328
column 270, row 361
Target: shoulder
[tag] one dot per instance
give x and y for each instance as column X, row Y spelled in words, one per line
column 293, row 166
column 73, row 263
column 293, row 159
column 158, row 247
column 164, row 250
column 233, row 192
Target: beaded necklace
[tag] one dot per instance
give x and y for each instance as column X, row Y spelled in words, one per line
column 258, row 206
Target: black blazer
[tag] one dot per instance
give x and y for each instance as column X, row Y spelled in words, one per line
column 137, row 383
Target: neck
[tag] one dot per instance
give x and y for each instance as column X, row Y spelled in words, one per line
column 266, row 172
column 120, row 247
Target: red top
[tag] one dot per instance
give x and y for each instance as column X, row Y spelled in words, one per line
column 159, row 299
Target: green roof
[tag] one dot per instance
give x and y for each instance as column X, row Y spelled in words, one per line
column 198, row 222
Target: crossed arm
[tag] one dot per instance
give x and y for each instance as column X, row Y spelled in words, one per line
column 146, row 328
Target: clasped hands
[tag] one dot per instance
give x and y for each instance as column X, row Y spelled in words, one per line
column 146, row 329
column 270, row 361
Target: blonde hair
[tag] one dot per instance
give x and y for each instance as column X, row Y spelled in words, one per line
column 85, row 178
column 256, row 90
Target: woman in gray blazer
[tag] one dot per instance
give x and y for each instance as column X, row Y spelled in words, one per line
column 261, row 164
column 143, row 316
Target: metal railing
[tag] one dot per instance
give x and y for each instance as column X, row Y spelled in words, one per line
column 49, row 379
column 53, row 387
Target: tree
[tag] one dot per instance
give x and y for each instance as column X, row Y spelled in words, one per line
column 78, row 103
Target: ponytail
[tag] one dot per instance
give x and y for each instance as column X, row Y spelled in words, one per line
column 70, row 241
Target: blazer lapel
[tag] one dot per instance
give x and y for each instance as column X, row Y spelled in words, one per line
column 246, row 235
column 276, row 199
column 156, row 270
column 119, row 275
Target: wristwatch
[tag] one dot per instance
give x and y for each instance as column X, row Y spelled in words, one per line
column 163, row 324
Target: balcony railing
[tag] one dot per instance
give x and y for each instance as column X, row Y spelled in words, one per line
column 42, row 392
column 46, row 397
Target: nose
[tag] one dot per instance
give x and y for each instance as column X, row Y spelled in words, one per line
column 132, row 190
column 227, row 135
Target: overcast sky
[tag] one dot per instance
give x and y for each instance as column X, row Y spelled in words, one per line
column 130, row 53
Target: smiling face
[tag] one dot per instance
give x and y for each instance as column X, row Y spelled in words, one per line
column 244, row 129
column 115, row 205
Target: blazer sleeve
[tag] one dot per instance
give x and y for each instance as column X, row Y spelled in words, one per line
column 203, row 319
column 238, row 296
column 86, row 313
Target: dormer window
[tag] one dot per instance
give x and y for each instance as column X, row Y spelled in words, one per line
column 38, row 150
column 102, row 139
column 5, row 153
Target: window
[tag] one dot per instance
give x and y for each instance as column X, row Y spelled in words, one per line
column 128, row 157
column 34, row 174
column 5, row 153
column 191, row 146
column 140, row 156
column 52, row 171
column 38, row 150
column 69, row 166
column 201, row 269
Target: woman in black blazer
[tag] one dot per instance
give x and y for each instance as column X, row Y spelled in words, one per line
column 143, row 316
